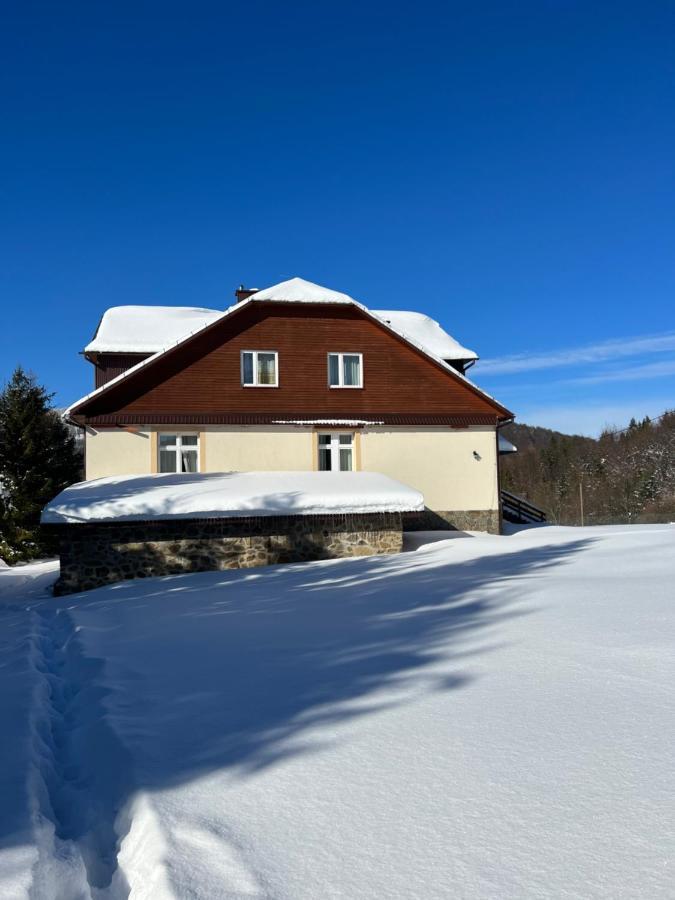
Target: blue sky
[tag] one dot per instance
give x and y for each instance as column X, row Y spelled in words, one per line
column 507, row 168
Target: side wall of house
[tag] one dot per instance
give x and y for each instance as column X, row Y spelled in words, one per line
column 237, row 449
column 438, row 462
column 114, row 451
column 455, row 469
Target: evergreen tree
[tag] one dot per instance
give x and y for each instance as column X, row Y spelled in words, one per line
column 38, row 459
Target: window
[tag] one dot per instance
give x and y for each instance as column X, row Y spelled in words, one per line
column 336, row 452
column 259, row 368
column 178, row 453
column 345, row 370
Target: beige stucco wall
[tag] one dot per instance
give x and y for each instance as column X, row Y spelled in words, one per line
column 252, row 449
column 438, row 462
column 117, row 452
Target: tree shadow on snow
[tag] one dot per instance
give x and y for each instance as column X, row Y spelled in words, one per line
column 236, row 669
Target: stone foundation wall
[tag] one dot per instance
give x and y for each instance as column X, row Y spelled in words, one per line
column 102, row 553
column 454, row 520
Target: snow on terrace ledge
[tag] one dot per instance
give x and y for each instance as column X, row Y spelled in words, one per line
column 348, row 423
column 229, row 495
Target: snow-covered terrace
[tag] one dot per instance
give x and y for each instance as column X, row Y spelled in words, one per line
column 231, row 495
column 117, row 528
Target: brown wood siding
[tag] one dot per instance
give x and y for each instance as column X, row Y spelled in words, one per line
column 110, row 365
column 203, row 374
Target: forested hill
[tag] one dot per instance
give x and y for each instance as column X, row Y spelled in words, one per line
column 526, row 437
column 625, row 476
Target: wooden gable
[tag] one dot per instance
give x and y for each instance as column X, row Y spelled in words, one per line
column 201, row 376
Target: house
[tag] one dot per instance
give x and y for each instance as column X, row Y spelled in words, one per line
column 295, row 377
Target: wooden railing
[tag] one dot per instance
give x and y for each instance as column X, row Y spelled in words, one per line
column 516, row 509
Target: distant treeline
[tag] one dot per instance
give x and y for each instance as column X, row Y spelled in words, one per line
column 623, row 476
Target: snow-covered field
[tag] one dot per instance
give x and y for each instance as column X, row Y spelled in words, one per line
column 480, row 717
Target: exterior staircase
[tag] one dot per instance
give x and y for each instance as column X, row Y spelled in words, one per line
column 519, row 511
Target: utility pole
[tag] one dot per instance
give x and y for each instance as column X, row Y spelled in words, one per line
column 581, row 500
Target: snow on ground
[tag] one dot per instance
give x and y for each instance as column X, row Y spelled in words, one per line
column 208, row 494
column 23, row 698
column 479, row 717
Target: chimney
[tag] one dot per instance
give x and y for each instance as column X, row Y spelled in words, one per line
column 243, row 293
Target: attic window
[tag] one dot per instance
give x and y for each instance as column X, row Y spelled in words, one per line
column 259, row 368
column 345, row 370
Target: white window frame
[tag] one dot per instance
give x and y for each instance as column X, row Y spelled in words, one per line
column 178, row 447
column 335, row 447
column 256, row 383
column 341, row 371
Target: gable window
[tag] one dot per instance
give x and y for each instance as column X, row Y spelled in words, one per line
column 260, row 368
column 345, row 370
column 178, row 453
column 336, row 452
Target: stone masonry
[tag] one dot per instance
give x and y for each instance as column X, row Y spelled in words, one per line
column 95, row 554
column 454, row 520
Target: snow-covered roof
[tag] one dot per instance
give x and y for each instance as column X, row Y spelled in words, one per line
column 225, row 494
column 297, row 290
column 147, row 329
column 425, row 331
column 506, row 446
